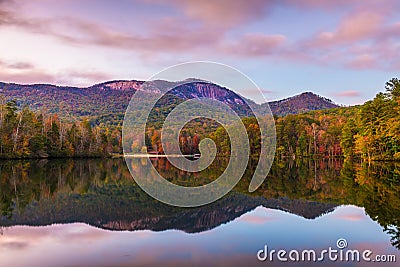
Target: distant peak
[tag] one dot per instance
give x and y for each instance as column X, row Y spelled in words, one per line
column 310, row 94
column 303, row 102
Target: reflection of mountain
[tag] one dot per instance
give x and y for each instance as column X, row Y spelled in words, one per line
column 130, row 209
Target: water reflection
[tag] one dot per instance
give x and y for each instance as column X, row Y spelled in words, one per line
column 299, row 205
column 231, row 244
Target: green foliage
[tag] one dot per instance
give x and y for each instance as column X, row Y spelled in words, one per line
column 25, row 134
column 374, row 133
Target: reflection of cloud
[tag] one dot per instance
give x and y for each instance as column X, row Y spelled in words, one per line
column 70, row 232
column 70, row 245
column 82, row 233
column 16, row 65
column 351, row 217
column 14, row 245
column 350, row 213
column 259, row 215
column 254, row 219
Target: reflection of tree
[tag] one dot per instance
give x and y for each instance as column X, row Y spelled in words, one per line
column 104, row 189
column 394, row 232
column 375, row 187
column 111, row 200
column 23, row 182
column 379, row 193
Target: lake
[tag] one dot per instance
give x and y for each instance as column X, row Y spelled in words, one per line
column 90, row 212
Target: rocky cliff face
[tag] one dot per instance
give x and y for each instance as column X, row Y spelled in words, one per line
column 216, row 92
column 119, row 85
column 199, row 89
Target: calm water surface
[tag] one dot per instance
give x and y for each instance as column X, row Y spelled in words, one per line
column 91, row 213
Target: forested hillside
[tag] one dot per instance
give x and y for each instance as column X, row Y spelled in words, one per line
column 106, row 103
column 370, row 131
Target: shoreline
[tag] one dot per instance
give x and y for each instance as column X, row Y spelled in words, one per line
column 154, row 156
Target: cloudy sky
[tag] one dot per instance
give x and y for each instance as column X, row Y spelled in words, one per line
column 342, row 49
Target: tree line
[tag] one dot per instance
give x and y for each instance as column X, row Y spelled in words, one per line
column 374, row 133
column 28, row 134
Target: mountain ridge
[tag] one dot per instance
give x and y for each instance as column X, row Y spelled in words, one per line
column 114, row 96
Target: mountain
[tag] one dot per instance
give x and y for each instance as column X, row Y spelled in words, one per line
column 300, row 103
column 106, row 102
column 97, row 100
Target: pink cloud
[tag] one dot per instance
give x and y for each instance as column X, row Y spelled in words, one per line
column 165, row 34
column 350, row 93
column 256, row 45
column 390, row 32
column 359, row 26
column 27, row 73
column 354, row 27
column 327, row 5
column 365, row 38
column 88, row 76
column 26, row 77
column 333, row 6
column 224, row 13
column 362, row 62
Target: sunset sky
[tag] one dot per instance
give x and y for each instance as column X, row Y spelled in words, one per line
column 343, row 49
